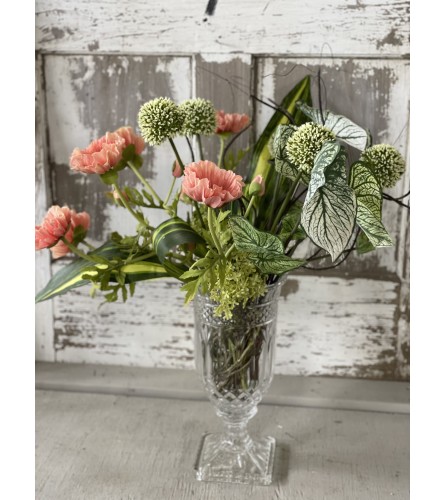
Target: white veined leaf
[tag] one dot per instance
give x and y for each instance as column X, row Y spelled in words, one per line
column 282, row 163
column 326, row 156
column 249, row 239
column 269, row 263
column 343, row 128
column 329, row 216
column 369, row 205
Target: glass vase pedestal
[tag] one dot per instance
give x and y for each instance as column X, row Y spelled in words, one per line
column 235, row 360
column 235, row 457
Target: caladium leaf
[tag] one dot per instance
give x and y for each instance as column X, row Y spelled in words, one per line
column 369, row 205
column 330, row 208
column 343, row 128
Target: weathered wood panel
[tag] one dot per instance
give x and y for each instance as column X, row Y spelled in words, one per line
column 118, row 447
column 326, row 326
column 366, row 27
column 44, row 333
column 374, row 94
column 227, row 81
column 89, row 95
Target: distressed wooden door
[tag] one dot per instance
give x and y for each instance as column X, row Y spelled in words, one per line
column 97, row 62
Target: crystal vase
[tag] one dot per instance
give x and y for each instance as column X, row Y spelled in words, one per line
column 235, row 360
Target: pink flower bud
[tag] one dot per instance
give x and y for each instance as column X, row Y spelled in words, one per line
column 177, row 171
column 258, row 186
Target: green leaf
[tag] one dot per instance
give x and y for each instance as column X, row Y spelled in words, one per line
column 282, row 163
column 261, row 155
column 143, row 270
column 261, row 164
column 290, row 221
column 326, row 156
column 363, row 244
column 369, row 205
column 191, row 288
column 110, row 177
column 171, row 233
column 343, row 128
column 249, row 239
column 70, row 276
column 270, row 263
column 328, row 215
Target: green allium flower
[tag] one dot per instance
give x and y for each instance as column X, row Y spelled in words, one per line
column 199, row 117
column 242, row 282
column 159, row 120
column 386, row 162
column 305, row 143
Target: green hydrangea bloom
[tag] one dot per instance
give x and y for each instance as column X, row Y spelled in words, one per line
column 199, row 117
column 159, row 120
column 305, row 143
column 386, row 162
column 243, row 282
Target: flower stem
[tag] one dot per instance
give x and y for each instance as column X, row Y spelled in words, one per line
column 90, row 247
column 198, row 211
column 76, row 251
column 167, row 198
column 201, row 151
column 216, row 241
column 125, row 203
column 284, row 204
column 144, row 182
column 181, row 163
column 221, row 152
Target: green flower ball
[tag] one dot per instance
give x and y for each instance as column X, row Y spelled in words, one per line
column 159, row 120
column 305, row 143
column 199, row 117
column 386, row 162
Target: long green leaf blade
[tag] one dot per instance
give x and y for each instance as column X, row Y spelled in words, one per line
column 172, row 233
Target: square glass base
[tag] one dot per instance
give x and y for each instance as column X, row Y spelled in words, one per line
column 219, row 461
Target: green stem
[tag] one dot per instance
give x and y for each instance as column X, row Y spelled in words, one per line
column 77, row 252
column 144, row 182
column 221, row 152
column 198, row 211
column 249, row 206
column 216, row 241
column 284, row 204
column 201, row 151
column 275, row 193
column 167, row 198
column 181, row 163
column 125, row 203
column 90, row 247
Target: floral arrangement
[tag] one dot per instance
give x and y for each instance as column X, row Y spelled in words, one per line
column 241, row 231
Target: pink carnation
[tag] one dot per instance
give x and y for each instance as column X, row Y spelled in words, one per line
column 54, row 226
column 100, row 156
column 130, row 137
column 209, row 184
column 230, row 122
column 77, row 219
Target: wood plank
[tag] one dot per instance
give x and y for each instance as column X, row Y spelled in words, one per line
column 286, row 390
column 226, row 81
column 326, row 326
column 114, row 447
column 44, row 330
column 373, row 28
column 89, row 95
